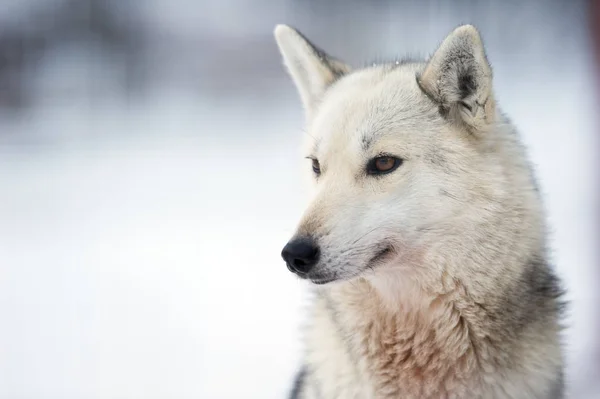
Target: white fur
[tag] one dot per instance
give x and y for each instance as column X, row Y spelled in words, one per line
column 461, row 216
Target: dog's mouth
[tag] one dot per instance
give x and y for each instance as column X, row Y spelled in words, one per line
column 379, row 257
column 322, row 281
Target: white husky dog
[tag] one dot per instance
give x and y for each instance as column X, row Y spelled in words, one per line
column 426, row 238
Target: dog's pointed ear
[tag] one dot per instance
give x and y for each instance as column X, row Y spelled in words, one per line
column 459, row 77
column 310, row 67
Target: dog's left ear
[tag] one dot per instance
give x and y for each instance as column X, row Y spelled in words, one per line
column 459, row 77
column 310, row 67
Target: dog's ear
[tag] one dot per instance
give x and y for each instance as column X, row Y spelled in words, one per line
column 459, row 77
column 310, row 67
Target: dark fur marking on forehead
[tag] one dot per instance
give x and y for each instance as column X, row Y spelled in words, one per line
column 369, row 138
column 366, row 143
column 414, row 111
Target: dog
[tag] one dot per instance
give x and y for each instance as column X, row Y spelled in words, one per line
column 425, row 239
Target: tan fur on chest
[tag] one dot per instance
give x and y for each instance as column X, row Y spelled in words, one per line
column 438, row 350
column 426, row 352
column 419, row 360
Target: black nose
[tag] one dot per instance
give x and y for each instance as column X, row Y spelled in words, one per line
column 300, row 254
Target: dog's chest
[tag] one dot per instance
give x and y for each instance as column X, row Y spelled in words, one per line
column 355, row 352
column 357, row 357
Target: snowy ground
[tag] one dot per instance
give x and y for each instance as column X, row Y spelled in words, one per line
column 139, row 242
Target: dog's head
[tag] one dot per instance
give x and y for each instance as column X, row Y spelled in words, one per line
column 403, row 156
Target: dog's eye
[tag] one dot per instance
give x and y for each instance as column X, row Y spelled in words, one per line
column 316, row 167
column 383, row 164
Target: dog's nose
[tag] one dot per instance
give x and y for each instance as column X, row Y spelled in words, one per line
column 300, row 255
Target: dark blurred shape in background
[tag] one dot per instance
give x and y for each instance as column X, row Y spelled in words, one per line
column 146, row 144
column 225, row 48
column 98, row 30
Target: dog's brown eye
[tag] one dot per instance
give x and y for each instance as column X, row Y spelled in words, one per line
column 383, row 164
column 316, row 167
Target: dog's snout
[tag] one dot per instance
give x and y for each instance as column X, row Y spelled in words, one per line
column 300, row 255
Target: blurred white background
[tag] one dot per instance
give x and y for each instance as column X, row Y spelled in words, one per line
column 150, row 175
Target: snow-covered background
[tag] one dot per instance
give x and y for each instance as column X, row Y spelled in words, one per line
column 150, row 175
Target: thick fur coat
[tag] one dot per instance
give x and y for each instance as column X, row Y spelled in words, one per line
column 426, row 231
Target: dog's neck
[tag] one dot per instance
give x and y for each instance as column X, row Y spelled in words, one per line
column 419, row 341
